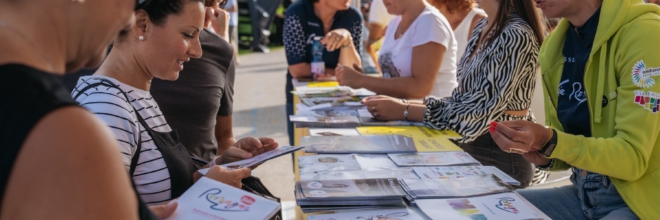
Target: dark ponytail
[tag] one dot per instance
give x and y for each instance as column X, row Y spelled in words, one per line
column 526, row 10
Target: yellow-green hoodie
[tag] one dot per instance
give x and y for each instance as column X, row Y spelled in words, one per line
column 621, row 67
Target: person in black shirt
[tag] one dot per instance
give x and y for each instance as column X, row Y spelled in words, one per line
column 336, row 21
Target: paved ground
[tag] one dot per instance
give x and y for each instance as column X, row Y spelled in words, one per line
column 259, row 111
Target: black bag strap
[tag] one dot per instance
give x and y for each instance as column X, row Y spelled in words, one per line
column 108, row 83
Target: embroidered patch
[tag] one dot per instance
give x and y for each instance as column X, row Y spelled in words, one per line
column 642, row 76
column 649, row 100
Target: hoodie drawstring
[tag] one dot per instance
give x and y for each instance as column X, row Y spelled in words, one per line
column 600, row 87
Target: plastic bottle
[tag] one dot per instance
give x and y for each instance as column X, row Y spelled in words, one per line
column 318, row 65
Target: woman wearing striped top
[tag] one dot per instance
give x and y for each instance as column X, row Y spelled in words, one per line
column 496, row 81
column 163, row 37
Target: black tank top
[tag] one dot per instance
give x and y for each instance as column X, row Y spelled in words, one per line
column 26, row 96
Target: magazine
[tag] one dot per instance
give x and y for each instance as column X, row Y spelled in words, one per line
column 359, row 144
column 426, row 139
column 434, row 159
column 503, row 206
column 459, row 187
column 448, row 172
column 210, row 199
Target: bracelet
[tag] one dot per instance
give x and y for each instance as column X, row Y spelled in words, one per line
column 405, row 112
column 546, row 167
column 345, row 46
column 404, row 101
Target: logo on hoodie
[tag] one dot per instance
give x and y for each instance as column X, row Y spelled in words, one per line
column 642, row 76
column 649, row 100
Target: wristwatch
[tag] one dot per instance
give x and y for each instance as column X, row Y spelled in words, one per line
column 550, row 146
column 546, row 167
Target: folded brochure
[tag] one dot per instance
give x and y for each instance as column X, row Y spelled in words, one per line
column 210, row 199
column 449, row 172
column 282, row 150
column 502, row 206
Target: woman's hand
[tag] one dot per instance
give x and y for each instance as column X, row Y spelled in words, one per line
column 219, row 20
column 536, row 158
column 385, row 108
column 246, row 148
column 519, row 136
column 351, row 77
column 164, row 211
column 337, row 38
column 229, row 177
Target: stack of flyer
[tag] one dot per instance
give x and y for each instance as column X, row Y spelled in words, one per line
column 210, row 199
column 502, row 206
column 319, row 195
column 453, row 188
column 350, row 166
column 449, row 172
column 434, row 159
column 359, row 144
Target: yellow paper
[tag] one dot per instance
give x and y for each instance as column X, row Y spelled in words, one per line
column 426, row 139
column 322, row 84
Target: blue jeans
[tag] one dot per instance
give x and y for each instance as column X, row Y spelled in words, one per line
column 591, row 196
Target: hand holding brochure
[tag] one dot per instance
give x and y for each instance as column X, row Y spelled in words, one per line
column 282, row 150
column 210, row 199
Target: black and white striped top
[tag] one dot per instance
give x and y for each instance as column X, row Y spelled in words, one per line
column 151, row 176
column 500, row 77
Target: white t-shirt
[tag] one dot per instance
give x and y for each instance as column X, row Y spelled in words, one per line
column 378, row 13
column 233, row 16
column 395, row 58
column 462, row 32
column 151, row 175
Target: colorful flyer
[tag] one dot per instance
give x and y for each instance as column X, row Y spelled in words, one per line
column 503, row 206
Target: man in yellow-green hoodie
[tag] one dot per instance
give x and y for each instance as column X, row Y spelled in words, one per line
column 601, row 77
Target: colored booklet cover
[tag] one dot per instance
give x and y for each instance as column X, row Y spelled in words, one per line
column 210, row 199
column 281, row 150
column 503, row 206
column 359, row 144
column 342, row 190
column 434, row 159
column 341, row 166
column 448, row 172
column 426, row 139
column 317, row 132
column 371, row 214
column 452, row 188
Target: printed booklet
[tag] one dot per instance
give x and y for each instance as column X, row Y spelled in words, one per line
column 361, row 192
column 281, row 150
column 449, row 172
column 434, row 159
column 210, row 199
column 359, row 144
column 452, row 188
column 503, row 206
column 350, row 166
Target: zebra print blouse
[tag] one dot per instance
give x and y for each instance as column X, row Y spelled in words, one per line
column 500, row 77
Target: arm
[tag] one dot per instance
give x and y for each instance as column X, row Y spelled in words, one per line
column 223, row 133
column 376, row 31
column 423, row 76
column 295, row 46
column 74, row 154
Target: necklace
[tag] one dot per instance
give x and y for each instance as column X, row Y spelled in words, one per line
column 50, row 63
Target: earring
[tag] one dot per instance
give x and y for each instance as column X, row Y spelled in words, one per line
column 141, row 37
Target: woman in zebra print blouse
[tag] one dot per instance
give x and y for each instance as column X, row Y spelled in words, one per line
column 496, row 78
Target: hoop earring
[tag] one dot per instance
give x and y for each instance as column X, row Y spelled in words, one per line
column 141, row 37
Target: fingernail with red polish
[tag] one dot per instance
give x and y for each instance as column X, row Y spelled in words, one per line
column 492, row 126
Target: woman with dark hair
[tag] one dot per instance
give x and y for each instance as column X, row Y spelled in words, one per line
column 340, row 27
column 496, row 81
column 164, row 36
column 463, row 17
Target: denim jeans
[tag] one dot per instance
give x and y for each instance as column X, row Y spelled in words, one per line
column 485, row 150
column 591, row 196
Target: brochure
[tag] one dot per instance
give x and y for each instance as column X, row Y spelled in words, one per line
column 459, row 187
column 210, row 199
column 316, row 132
column 324, row 163
column 370, row 214
column 503, row 206
column 359, row 144
column 449, row 172
column 434, row 159
column 426, row 139
column 362, row 166
column 325, row 122
column 281, row 150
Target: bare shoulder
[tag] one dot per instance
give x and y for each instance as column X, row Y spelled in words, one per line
column 69, row 168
